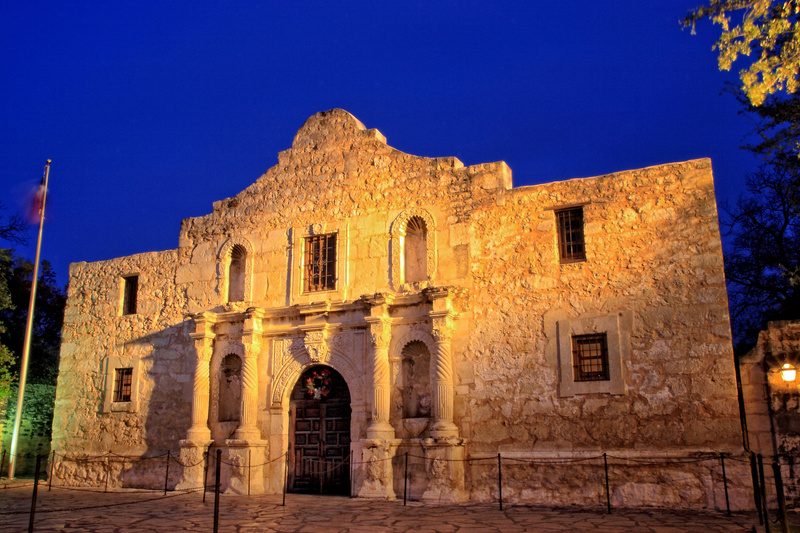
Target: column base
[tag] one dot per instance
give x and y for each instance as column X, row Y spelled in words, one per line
column 446, row 470
column 380, row 431
column 194, row 461
column 243, row 466
column 376, row 469
column 444, row 430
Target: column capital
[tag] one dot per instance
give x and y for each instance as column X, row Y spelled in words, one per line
column 203, row 325
column 253, row 321
column 379, row 303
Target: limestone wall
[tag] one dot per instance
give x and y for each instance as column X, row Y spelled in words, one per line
column 653, row 251
column 97, row 335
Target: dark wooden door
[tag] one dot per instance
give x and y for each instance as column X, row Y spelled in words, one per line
column 320, row 433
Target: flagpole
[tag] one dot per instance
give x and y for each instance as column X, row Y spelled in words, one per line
column 23, row 371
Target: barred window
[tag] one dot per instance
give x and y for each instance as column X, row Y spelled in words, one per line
column 129, row 297
column 320, row 263
column 570, row 235
column 590, row 357
column 122, row 384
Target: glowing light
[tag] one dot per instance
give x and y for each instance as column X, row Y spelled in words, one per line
column 788, row 372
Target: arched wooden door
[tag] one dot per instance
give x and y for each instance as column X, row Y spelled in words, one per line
column 319, row 440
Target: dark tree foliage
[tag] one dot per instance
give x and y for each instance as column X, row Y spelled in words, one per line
column 48, row 316
column 762, row 256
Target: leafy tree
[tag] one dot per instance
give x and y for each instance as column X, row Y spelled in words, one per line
column 13, row 230
column 762, row 259
column 50, row 303
column 768, row 28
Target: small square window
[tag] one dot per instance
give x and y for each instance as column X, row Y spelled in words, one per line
column 320, row 263
column 570, row 235
column 590, row 357
column 131, row 290
column 123, row 379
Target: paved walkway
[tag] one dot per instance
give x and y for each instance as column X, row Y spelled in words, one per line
column 135, row 511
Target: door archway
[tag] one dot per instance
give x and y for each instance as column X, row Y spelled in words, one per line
column 319, row 437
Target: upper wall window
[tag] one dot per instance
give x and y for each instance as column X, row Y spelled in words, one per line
column 590, row 357
column 236, row 273
column 415, row 251
column 570, row 235
column 320, row 263
column 130, row 294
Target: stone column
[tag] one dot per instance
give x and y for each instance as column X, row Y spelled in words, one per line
column 204, row 346
column 198, row 438
column 442, row 369
column 380, row 334
column 251, row 339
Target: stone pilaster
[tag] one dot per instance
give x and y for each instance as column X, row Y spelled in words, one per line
column 251, row 339
column 380, row 335
column 442, row 369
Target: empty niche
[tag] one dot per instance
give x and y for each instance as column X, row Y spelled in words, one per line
column 236, row 273
column 230, row 388
column 416, row 380
column 415, row 251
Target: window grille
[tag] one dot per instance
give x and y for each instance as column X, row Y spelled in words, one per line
column 590, row 357
column 320, row 264
column 131, row 292
column 570, row 235
column 122, row 384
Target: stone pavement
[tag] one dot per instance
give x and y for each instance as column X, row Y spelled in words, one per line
column 150, row 511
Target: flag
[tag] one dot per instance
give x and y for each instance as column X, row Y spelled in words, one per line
column 37, row 200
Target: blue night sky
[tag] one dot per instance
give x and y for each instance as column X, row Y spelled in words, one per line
column 151, row 111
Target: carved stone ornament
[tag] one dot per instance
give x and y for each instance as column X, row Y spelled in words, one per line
column 317, row 346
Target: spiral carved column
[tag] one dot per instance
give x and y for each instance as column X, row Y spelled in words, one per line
column 443, row 426
column 204, row 346
column 380, row 333
column 379, row 426
column 251, row 338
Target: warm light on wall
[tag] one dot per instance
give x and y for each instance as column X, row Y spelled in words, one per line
column 788, row 372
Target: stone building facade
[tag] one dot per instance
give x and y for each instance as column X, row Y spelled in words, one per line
column 357, row 304
column 772, row 404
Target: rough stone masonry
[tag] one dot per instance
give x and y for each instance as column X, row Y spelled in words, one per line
column 358, row 307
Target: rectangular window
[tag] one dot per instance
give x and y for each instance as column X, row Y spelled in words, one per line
column 122, row 384
column 590, row 357
column 320, row 263
column 129, row 298
column 570, row 235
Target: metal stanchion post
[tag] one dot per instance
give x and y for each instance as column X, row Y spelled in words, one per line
column 352, row 472
column 50, row 479
column 500, row 480
column 776, row 473
column 33, row 498
column 608, row 492
column 166, row 476
column 216, row 492
column 285, row 478
column 205, row 472
column 760, row 459
column 725, row 482
column 405, row 480
column 756, row 487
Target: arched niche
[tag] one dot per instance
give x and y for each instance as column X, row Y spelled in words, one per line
column 413, row 248
column 236, row 270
